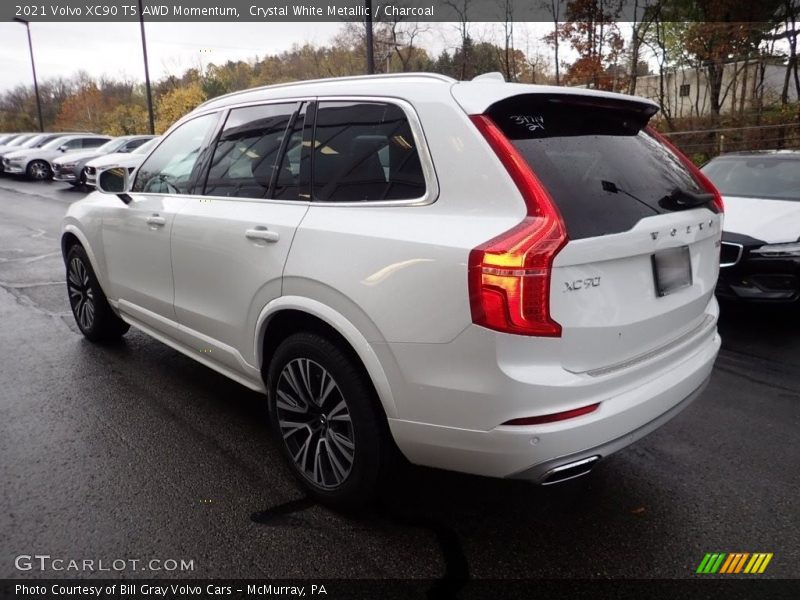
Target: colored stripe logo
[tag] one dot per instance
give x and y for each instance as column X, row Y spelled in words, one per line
column 733, row 563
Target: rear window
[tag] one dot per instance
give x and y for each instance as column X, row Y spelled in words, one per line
column 769, row 177
column 602, row 169
column 365, row 151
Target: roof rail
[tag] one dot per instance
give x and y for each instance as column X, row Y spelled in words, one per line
column 435, row 76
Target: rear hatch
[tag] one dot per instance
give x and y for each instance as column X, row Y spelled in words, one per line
column 643, row 227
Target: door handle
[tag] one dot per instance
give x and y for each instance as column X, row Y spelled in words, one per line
column 156, row 221
column 263, row 234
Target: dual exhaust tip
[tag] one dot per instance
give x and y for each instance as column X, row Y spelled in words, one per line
column 569, row 470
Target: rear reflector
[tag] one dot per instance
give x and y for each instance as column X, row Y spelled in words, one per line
column 509, row 276
column 552, row 418
column 717, row 205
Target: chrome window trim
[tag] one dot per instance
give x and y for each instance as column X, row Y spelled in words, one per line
column 425, row 159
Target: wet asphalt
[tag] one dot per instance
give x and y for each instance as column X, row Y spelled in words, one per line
column 133, row 450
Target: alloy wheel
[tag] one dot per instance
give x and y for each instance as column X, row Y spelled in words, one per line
column 81, row 296
column 315, row 423
column 38, row 170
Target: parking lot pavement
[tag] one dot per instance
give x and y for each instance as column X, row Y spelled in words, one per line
column 135, row 451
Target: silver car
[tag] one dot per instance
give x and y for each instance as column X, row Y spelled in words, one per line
column 71, row 168
column 34, row 163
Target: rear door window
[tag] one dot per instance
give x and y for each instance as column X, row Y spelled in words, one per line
column 364, row 151
column 245, row 156
column 604, row 172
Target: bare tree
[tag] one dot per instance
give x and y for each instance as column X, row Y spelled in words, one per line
column 554, row 8
column 461, row 7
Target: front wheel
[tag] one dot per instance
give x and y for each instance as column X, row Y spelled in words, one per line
column 327, row 420
column 39, row 170
column 91, row 310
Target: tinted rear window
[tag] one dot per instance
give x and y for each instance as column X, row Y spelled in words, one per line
column 769, row 177
column 602, row 169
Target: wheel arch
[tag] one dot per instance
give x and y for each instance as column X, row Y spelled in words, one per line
column 287, row 315
column 71, row 235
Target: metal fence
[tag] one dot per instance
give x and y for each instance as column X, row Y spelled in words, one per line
column 704, row 144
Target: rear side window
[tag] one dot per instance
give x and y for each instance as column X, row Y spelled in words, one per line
column 246, row 152
column 94, row 142
column 364, row 151
column 604, row 172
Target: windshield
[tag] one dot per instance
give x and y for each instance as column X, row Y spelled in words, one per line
column 146, row 147
column 110, row 146
column 53, row 144
column 769, row 177
column 19, row 140
column 33, row 142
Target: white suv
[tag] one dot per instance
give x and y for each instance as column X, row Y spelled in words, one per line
column 501, row 279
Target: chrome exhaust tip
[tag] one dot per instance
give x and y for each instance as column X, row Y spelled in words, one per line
column 569, row 470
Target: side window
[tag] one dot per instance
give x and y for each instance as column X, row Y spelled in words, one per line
column 246, row 152
column 132, row 145
column 168, row 170
column 364, row 151
column 73, row 144
column 93, row 142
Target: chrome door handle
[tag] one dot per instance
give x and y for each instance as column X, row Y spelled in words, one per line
column 156, row 221
column 263, row 234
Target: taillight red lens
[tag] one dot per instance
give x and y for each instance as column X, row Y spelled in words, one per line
column 553, row 417
column 509, row 276
column 717, row 204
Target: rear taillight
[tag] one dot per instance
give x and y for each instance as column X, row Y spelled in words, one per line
column 716, row 204
column 509, row 276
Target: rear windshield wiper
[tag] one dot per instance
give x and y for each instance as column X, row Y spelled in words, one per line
column 610, row 186
column 681, row 199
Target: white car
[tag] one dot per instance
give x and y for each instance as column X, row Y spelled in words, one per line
column 129, row 160
column 760, row 256
column 34, row 163
column 501, row 279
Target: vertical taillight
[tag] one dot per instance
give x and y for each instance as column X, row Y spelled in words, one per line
column 717, row 205
column 509, row 276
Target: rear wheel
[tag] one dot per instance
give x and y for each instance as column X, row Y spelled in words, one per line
column 91, row 310
column 39, row 170
column 325, row 416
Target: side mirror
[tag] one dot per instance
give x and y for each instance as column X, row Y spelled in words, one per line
column 114, row 181
column 62, row 148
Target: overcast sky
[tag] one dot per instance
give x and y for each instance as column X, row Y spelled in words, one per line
column 114, row 49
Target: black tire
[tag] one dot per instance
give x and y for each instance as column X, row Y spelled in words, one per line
column 39, row 170
column 82, row 178
column 328, row 425
column 91, row 310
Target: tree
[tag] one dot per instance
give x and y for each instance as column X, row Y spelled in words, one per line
column 592, row 31
column 174, row 104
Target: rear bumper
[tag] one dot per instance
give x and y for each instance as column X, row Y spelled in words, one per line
column 633, row 401
column 543, row 471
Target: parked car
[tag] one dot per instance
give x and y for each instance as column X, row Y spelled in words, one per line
column 503, row 279
column 760, row 256
column 70, row 168
column 129, row 160
column 5, row 138
column 16, row 144
column 34, row 162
